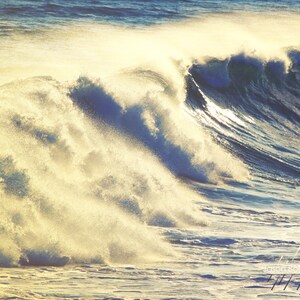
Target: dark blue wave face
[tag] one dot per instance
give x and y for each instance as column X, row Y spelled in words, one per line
column 34, row 13
column 264, row 100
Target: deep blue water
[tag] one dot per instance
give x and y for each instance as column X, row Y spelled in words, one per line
column 134, row 12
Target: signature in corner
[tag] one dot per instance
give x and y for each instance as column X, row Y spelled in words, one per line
column 281, row 270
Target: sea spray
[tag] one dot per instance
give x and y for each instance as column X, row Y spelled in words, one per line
column 76, row 190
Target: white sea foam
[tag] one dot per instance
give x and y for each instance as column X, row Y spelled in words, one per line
column 71, row 188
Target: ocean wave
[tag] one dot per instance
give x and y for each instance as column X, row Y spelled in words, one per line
column 99, row 124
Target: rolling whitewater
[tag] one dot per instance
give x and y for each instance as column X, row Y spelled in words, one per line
column 149, row 149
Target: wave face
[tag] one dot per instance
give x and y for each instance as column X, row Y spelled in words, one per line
column 252, row 106
column 102, row 126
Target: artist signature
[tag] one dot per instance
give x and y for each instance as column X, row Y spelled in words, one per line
column 283, row 272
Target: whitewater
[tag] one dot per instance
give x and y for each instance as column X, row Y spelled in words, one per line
column 149, row 157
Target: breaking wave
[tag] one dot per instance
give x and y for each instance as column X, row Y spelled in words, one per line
column 96, row 138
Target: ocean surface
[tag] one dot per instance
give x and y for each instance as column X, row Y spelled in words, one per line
column 149, row 149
